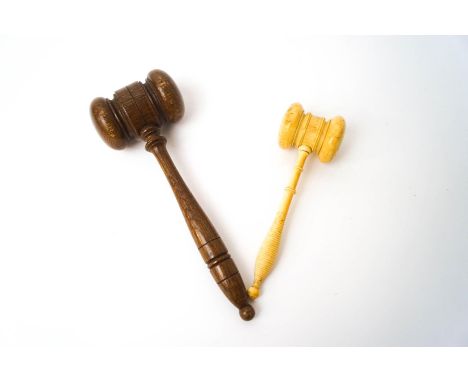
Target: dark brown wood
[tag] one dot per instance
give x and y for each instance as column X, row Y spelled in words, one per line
column 139, row 111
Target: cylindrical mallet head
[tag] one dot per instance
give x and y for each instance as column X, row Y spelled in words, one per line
column 322, row 136
column 136, row 106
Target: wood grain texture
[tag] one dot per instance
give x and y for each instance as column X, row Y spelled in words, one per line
column 208, row 241
column 139, row 111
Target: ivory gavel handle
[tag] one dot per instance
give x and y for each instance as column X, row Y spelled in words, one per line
column 270, row 247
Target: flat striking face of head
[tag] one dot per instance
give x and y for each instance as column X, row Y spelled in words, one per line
column 321, row 136
column 290, row 125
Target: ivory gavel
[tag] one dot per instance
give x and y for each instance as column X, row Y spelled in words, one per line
column 139, row 110
column 309, row 134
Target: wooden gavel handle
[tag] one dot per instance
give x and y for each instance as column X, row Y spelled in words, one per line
column 210, row 245
column 268, row 252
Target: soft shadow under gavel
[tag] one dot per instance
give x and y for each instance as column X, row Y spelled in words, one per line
column 139, row 111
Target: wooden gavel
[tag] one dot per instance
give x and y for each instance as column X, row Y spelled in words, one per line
column 139, row 110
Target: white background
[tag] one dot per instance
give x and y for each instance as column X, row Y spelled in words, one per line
column 94, row 250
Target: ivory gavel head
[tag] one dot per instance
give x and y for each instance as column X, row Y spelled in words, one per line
column 304, row 129
column 136, row 107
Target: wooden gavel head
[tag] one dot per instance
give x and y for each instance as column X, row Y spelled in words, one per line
column 321, row 136
column 136, row 107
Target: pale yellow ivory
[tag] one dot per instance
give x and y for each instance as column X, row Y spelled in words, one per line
column 310, row 134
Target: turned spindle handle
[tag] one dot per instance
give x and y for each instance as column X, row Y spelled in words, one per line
column 268, row 252
column 310, row 134
column 209, row 243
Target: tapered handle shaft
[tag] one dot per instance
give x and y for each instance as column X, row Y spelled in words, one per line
column 269, row 250
column 210, row 245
